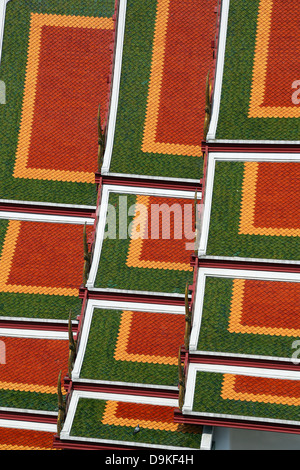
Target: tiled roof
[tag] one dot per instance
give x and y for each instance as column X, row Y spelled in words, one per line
column 104, row 419
column 246, row 316
column 160, row 110
column 49, row 123
column 29, row 373
column 137, row 347
column 260, row 83
column 247, row 220
column 40, row 278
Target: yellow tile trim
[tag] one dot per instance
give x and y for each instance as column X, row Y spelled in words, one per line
column 16, row 447
column 139, row 226
column 260, row 70
column 31, row 78
column 109, row 417
column 235, row 317
column 6, row 259
column 228, row 393
column 121, row 353
column 20, row 387
column 153, row 101
column 246, row 225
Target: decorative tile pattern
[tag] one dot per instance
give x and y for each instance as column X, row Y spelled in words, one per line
column 116, row 421
column 260, row 82
column 250, row 317
column 30, row 372
column 247, row 396
column 49, row 123
column 155, row 254
column 254, row 224
column 34, row 262
column 161, row 105
column 135, row 347
column 57, row 100
column 25, row 439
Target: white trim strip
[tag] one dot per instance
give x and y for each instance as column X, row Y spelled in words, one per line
column 37, row 334
column 115, row 87
column 158, row 178
column 219, row 71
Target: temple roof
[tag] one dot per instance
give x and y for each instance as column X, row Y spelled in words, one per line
column 149, row 222
column 257, row 77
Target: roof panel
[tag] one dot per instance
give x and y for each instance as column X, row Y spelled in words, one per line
column 258, row 88
column 161, row 101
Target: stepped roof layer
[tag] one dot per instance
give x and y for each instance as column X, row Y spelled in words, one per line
column 126, row 344
column 258, row 397
column 157, row 115
column 106, row 419
column 246, row 314
column 245, row 219
column 258, row 84
column 40, row 277
column 55, row 64
column 144, row 241
column 62, row 57
column 30, row 366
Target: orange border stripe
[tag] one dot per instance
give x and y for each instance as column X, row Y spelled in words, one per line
column 229, row 393
column 139, row 226
column 31, row 79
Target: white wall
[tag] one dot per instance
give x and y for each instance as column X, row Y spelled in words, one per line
column 245, row 439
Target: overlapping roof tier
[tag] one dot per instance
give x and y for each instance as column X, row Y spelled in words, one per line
column 93, row 289
column 157, row 107
column 84, row 258
column 257, row 91
column 49, row 121
column 243, row 351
